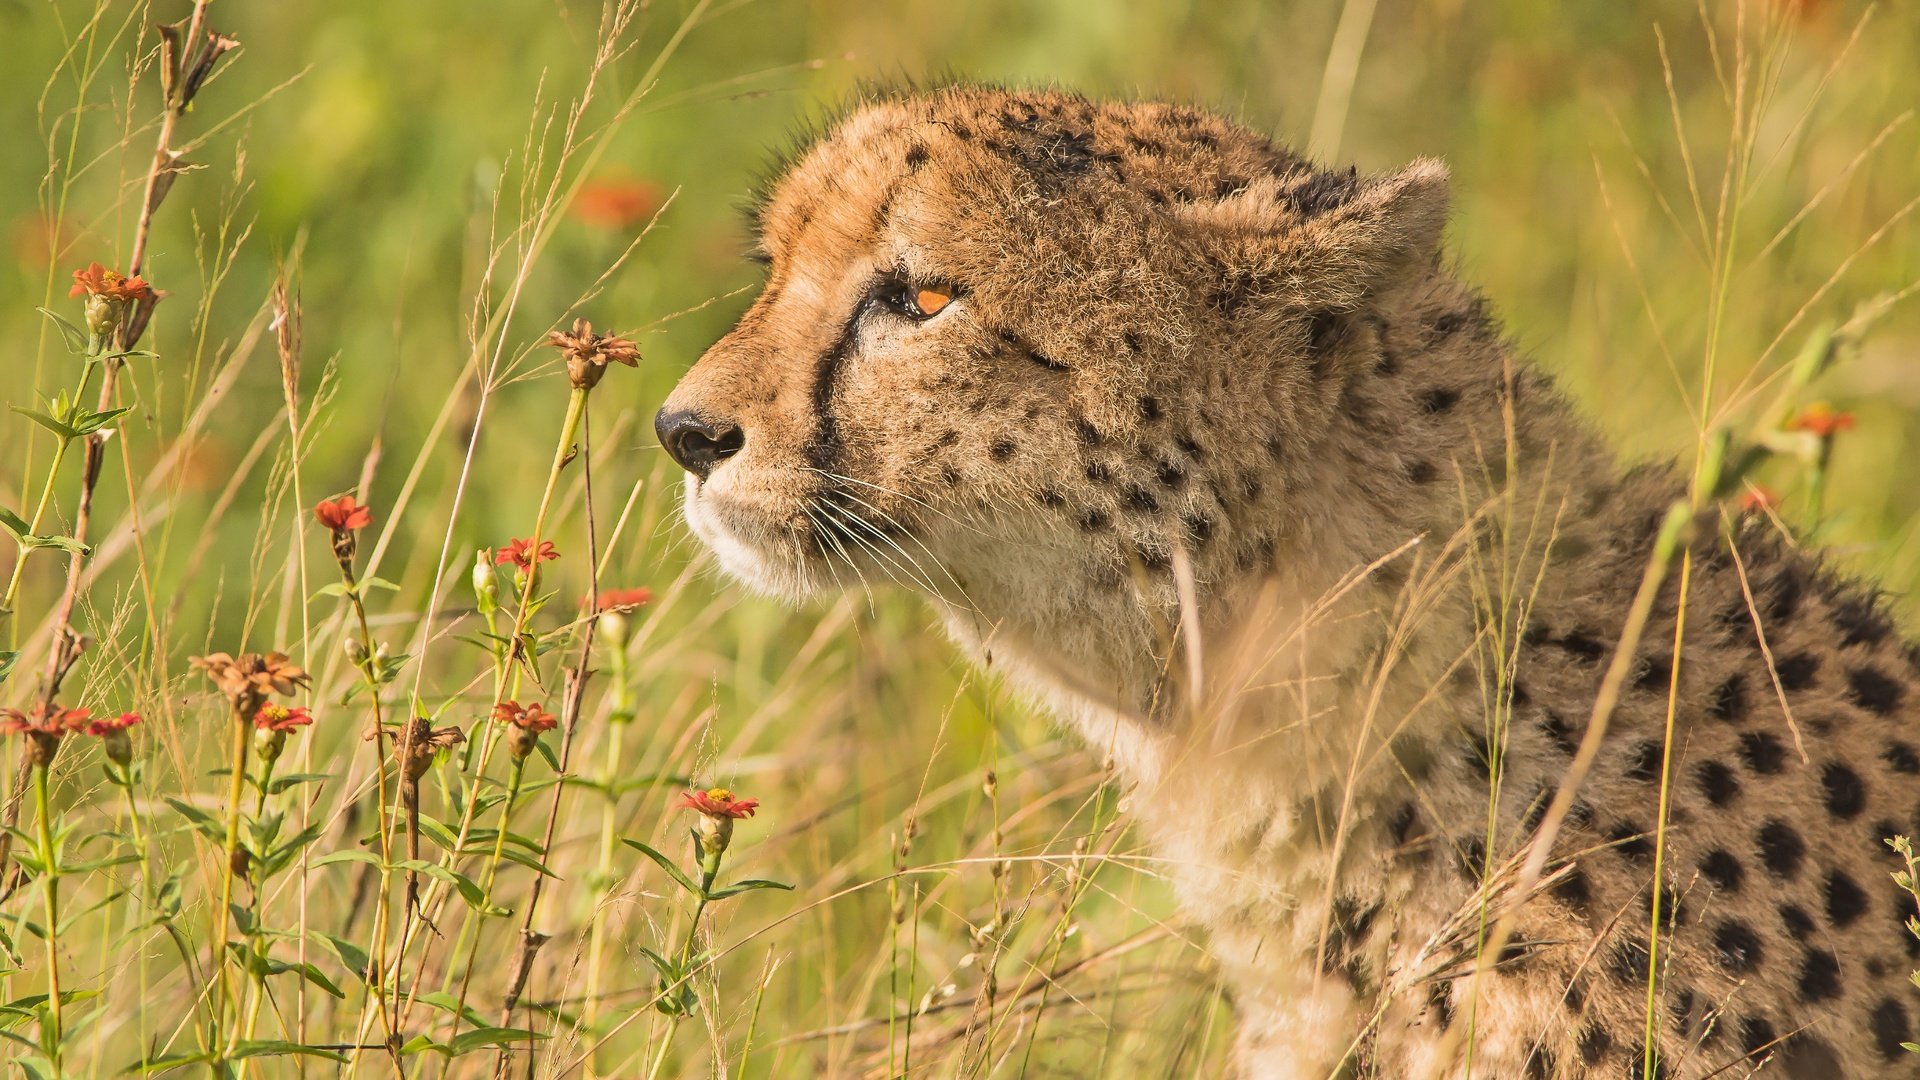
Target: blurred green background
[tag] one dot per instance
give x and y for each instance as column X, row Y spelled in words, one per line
column 376, row 139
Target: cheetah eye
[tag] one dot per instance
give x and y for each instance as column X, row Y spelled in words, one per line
column 916, row 301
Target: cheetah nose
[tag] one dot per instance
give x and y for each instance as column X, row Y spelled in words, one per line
column 696, row 444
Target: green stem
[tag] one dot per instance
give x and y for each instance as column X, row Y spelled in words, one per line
column 609, row 834
column 222, row 915
column 51, row 894
column 486, row 887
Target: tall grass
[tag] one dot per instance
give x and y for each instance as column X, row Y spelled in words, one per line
column 370, row 218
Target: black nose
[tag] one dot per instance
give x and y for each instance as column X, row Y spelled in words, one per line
column 697, row 444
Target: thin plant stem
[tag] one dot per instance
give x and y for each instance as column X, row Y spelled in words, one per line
column 50, row 870
column 222, row 916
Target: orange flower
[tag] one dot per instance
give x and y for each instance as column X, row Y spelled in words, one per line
column 521, row 553
column 1758, row 500
column 717, row 803
column 343, row 514
column 530, row 717
column 117, row 723
column 114, row 739
column 97, row 280
column 43, row 721
column 616, row 203
column 623, row 599
column 44, row 727
column 525, row 723
column 1822, row 420
column 281, row 718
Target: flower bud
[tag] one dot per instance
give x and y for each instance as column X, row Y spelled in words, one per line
column 715, row 832
column 118, row 746
column 521, row 741
column 613, row 627
column 103, row 315
column 356, row 652
column 268, row 743
column 486, row 588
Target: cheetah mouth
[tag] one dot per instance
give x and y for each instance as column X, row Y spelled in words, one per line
column 827, row 539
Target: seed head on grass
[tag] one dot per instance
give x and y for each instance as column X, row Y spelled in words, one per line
column 588, row 353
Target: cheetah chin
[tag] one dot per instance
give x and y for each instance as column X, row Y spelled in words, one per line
column 1208, row 450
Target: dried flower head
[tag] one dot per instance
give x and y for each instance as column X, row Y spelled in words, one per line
column 44, row 727
column 109, row 293
column 1821, row 419
column 522, row 555
column 250, row 677
column 588, row 353
column 524, row 723
column 718, row 809
column 113, row 736
column 421, row 742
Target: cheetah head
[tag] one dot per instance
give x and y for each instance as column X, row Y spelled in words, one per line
column 1003, row 330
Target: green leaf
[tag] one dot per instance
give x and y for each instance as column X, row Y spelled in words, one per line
column 204, row 823
column 352, row 956
column 64, row 431
column 468, row 888
column 346, row 855
column 665, row 864
column 493, row 1036
column 447, row 1003
column 75, row 337
column 171, row 1061
column 23, row 534
column 247, row 1048
column 748, row 885
column 378, row 583
column 338, row 588
column 86, row 423
column 422, row 1042
column 281, row 783
column 6, row 660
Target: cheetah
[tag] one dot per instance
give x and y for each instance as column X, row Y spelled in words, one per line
column 1206, row 449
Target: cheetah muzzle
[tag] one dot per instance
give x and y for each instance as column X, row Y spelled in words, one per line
column 1207, row 449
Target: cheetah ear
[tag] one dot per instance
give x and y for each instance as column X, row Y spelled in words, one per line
column 1327, row 240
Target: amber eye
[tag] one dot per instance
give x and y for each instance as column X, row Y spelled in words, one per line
column 929, row 300
column 915, row 301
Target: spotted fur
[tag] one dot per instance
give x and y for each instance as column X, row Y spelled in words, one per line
column 1213, row 454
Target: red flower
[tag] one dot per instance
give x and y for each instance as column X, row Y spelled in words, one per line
column 50, row 724
column 623, row 599
column 1820, row 419
column 281, row 718
column 105, row 725
column 526, row 717
column 97, row 280
column 343, row 514
column 616, row 203
column 43, row 728
column 521, row 554
column 717, row 803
